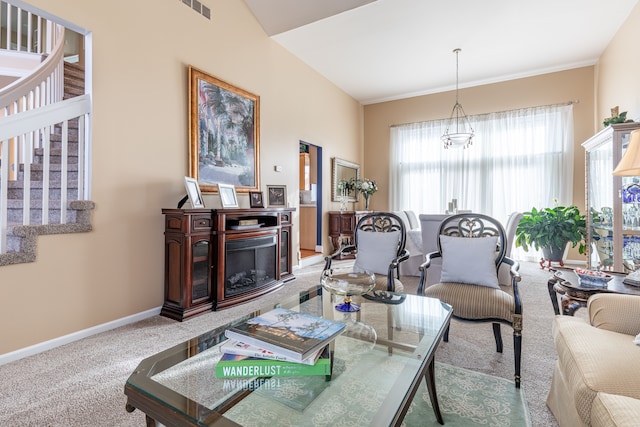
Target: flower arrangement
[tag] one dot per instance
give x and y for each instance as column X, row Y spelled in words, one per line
column 366, row 186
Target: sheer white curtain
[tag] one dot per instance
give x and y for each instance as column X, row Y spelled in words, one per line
column 519, row 159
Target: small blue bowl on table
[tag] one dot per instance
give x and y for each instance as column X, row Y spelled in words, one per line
column 592, row 278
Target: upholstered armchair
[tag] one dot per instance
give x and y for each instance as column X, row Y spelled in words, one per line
column 379, row 247
column 472, row 248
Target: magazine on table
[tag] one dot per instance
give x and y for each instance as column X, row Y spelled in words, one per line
column 232, row 346
column 238, row 366
column 292, row 334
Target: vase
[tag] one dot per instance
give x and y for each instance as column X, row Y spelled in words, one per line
column 343, row 200
column 366, row 201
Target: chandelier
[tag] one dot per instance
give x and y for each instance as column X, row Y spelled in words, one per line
column 459, row 135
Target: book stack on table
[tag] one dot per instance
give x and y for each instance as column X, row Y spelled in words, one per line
column 282, row 343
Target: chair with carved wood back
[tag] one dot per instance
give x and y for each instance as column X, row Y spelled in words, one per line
column 472, row 247
column 379, row 247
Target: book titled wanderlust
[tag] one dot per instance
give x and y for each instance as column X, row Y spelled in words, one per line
column 294, row 335
column 243, row 349
column 238, row 366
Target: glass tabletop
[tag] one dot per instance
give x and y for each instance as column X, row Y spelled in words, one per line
column 377, row 364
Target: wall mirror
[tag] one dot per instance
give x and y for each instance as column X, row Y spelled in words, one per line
column 343, row 170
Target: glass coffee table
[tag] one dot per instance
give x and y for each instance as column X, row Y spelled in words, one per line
column 377, row 365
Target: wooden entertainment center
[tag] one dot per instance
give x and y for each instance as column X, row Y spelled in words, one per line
column 216, row 258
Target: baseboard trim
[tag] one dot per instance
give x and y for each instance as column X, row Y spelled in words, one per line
column 306, row 262
column 66, row 339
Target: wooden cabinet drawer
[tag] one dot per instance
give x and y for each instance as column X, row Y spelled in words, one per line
column 201, row 222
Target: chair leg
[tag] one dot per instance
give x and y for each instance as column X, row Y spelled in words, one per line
column 517, row 352
column 445, row 338
column 498, row 337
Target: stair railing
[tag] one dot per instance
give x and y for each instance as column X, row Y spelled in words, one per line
column 31, row 109
column 35, row 125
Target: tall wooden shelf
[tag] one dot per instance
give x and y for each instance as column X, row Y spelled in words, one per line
column 214, row 260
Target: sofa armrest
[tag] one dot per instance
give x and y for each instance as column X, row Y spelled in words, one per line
column 615, row 312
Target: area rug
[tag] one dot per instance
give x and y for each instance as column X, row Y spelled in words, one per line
column 469, row 398
column 466, row 398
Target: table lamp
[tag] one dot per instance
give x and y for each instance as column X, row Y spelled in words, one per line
column 630, row 163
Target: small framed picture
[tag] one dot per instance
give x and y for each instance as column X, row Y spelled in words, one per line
column 277, row 196
column 193, row 191
column 255, row 199
column 228, row 195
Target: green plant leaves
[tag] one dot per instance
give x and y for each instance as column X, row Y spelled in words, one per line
column 552, row 227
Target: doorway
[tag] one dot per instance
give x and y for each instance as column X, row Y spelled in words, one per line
column 310, row 190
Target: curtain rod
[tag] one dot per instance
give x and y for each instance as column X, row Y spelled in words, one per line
column 575, row 101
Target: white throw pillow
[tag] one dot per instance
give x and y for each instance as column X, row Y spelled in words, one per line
column 470, row 260
column 376, row 250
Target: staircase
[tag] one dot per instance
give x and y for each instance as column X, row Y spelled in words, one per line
column 53, row 215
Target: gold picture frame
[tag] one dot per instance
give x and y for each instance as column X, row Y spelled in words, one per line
column 224, row 134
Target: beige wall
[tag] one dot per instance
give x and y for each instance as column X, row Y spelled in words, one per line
column 140, row 153
column 545, row 89
column 618, row 81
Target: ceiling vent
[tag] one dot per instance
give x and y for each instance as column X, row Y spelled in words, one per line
column 198, row 7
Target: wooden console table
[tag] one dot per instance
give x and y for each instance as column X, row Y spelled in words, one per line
column 564, row 283
column 218, row 258
column 342, row 225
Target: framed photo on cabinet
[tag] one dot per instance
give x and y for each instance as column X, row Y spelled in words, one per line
column 277, row 196
column 255, row 199
column 193, row 191
column 228, row 196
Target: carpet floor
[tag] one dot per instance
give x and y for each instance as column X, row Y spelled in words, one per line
column 82, row 383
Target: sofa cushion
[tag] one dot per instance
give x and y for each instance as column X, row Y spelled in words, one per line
column 595, row 360
column 609, row 410
column 615, row 312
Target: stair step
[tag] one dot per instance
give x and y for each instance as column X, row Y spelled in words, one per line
column 55, row 155
column 72, row 128
column 17, row 193
column 15, row 212
column 55, row 173
column 70, row 92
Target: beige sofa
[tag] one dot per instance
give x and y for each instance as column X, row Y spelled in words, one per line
column 596, row 380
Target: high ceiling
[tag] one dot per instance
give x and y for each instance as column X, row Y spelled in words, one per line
column 380, row 50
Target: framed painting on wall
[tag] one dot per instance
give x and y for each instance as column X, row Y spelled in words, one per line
column 224, row 134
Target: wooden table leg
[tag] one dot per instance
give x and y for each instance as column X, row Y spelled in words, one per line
column 431, row 387
column 553, row 295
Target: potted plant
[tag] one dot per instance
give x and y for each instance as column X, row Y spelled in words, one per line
column 551, row 229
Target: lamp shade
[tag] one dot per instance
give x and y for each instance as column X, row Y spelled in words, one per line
column 630, row 163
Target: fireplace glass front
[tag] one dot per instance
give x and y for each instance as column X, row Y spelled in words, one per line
column 250, row 264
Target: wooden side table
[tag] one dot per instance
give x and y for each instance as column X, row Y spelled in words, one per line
column 564, row 284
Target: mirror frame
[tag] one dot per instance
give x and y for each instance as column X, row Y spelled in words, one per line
column 339, row 169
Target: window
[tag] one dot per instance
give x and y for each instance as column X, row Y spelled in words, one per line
column 519, row 159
